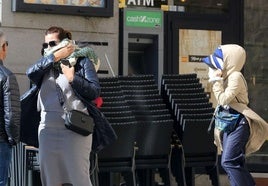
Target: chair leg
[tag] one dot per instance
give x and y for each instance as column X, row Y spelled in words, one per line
column 129, row 178
column 189, row 174
column 177, row 165
column 164, row 174
column 104, row 179
column 213, row 172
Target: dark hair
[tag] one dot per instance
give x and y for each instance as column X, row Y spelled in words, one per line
column 62, row 34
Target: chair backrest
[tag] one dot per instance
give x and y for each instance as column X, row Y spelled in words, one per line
column 192, row 106
column 153, row 138
column 193, row 111
column 149, row 119
column 195, row 116
column 155, row 122
column 196, row 140
column 123, row 148
column 189, row 101
column 186, row 90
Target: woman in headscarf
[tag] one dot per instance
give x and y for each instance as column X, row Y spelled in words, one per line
column 231, row 92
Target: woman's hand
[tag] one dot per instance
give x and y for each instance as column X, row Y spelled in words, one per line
column 68, row 72
column 64, row 52
column 214, row 75
column 218, row 73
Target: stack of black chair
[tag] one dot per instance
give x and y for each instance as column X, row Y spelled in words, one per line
column 192, row 111
column 134, row 107
column 120, row 156
column 154, row 127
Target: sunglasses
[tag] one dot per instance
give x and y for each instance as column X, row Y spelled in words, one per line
column 50, row 43
column 6, row 43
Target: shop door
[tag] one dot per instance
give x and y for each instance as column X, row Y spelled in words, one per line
column 191, row 36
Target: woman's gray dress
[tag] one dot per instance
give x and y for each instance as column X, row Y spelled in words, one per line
column 63, row 154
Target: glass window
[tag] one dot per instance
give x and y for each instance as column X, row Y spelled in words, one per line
column 204, row 6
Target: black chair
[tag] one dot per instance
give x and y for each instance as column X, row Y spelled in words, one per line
column 180, row 81
column 193, row 111
column 195, row 116
column 108, row 80
column 114, row 98
column 140, row 97
column 120, row 156
column 199, row 150
column 124, row 113
column 114, row 108
column 140, row 87
column 137, row 82
column 187, row 100
column 140, row 92
column 110, row 88
column 179, row 76
column 137, row 77
column 111, row 94
column 113, row 103
column 154, row 150
column 185, row 91
column 182, row 86
column 121, row 119
column 187, row 96
column 180, row 106
column 154, row 128
column 145, row 101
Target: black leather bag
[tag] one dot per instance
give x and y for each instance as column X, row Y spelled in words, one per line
column 79, row 122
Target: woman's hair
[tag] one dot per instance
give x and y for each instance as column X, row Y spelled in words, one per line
column 62, row 34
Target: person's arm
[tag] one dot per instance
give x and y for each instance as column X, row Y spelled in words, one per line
column 225, row 95
column 88, row 86
column 43, row 65
column 37, row 70
column 12, row 110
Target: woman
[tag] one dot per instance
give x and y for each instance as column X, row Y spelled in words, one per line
column 230, row 90
column 64, row 154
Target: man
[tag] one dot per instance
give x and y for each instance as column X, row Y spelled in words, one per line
column 9, row 112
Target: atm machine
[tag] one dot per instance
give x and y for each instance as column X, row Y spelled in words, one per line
column 141, row 42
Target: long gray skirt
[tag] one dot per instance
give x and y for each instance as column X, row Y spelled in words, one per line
column 63, row 154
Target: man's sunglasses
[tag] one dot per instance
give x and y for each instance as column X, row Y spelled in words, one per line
column 50, row 43
column 6, row 43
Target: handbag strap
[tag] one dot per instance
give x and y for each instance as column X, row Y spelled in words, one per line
column 213, row 118
column 60, row 95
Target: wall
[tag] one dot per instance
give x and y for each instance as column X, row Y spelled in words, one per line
column 25, row 32
column 256, row 67
column 256, row 40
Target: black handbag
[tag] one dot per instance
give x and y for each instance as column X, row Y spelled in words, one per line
column 79, row 122
column 75, row 120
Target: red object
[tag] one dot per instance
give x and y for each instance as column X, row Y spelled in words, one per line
column 98, row 101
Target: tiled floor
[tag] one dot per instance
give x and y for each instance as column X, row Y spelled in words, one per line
column 203, row 180
column 261, row 179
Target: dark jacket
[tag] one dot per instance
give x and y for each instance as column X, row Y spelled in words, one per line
column 9, row 106
column 86, row 87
